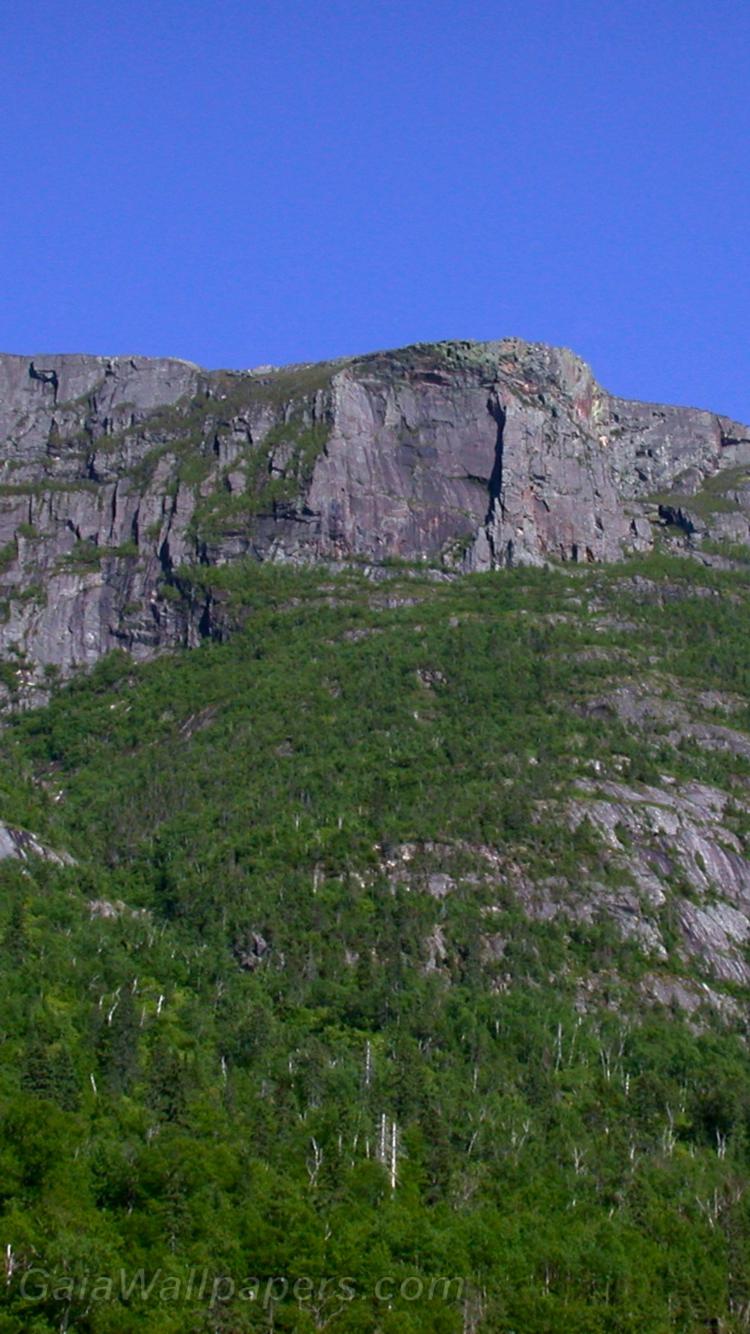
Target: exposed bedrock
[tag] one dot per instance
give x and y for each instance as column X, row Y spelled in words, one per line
column 116, row 472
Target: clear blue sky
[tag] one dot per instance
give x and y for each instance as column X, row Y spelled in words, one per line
column 239, row 182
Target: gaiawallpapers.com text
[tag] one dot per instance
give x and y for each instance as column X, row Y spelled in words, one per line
column 201, row 1285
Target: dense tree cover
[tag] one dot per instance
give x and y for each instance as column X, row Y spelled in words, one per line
column 250, row 1065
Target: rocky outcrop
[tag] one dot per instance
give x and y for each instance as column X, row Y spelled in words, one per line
column 21, row 845
column 116, row 473
column 670, row 875
column 681, row 868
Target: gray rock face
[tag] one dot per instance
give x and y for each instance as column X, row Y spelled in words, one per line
column 645, row 711
column 20, row 845
column 666, row 835
column 64, row 590
column 114, row 473
column 42, row 398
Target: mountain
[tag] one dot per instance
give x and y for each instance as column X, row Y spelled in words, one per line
column 115, row 473
column 375, row 908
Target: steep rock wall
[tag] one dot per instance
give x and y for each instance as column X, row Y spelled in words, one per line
column 114, row 473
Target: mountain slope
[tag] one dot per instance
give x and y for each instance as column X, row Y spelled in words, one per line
column 403, row 942
column 377, row 958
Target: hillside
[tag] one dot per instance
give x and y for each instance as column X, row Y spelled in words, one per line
column 375, row 928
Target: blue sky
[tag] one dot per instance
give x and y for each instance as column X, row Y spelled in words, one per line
column 238, row 182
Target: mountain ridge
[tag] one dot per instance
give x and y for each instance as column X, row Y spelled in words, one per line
column 116, row 473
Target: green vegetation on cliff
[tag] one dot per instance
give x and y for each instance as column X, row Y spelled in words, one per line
column 289, row 1018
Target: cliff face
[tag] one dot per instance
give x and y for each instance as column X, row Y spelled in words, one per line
column 114, row 473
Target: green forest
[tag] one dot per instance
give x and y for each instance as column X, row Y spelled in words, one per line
column 280, row 1053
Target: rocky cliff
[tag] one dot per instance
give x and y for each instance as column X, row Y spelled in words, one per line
column 116, row 473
